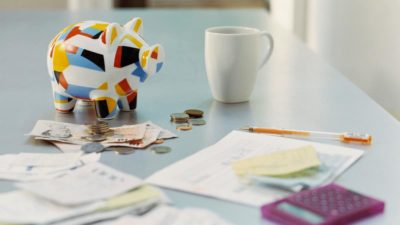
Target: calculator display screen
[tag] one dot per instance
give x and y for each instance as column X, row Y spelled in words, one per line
column 302, row 213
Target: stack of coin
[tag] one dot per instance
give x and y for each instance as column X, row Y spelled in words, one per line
column 98, row 132
column 179, row 117
column 100, row 127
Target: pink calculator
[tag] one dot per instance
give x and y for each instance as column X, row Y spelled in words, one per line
column 327, row 205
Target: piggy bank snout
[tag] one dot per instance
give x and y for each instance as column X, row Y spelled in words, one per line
column 152, row 58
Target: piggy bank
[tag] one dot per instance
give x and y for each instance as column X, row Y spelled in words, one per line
column 101, row 62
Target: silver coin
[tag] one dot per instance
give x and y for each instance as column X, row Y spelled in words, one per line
column 122, row 150
column 197, row 122
column 95, row 137
column 161, row 149
column 60, row 132
column 179, row 117
column 92, row 147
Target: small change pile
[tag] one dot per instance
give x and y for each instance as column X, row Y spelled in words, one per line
column 293, row 169
column 187, row 119
column 98, row 137
column 92, row 192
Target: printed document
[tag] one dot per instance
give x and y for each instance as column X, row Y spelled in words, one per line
column 163, row 215
column 209, row 171
column 88, row 183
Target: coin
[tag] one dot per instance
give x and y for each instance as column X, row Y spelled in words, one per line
column 197, row 122
column 195, row 113
column 184, row 127
column 161, row 149
column 101, row 127
column 179, row 117
column 122, row 150
column 159, row 141
column 95, row 137
column 92, row 147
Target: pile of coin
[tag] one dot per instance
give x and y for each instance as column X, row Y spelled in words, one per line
column 100, row 127
column 187, row 119
column 179, row 117
column 98, row 131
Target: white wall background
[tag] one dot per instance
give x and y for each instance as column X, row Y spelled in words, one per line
column 361, row 38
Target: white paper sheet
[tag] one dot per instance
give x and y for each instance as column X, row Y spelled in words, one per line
column 96, row 216
column 209, row 172
column 21, row 207
column 88, row 183
column 166, row 215
column 39, row 166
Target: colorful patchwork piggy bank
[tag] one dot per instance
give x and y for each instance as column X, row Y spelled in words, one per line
column 101, row 62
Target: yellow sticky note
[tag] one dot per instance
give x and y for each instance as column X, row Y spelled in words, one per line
column 132, row 197
column 278, row 163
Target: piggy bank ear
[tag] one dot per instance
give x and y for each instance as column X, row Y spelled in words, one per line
column 134, row 25
column 110, row 35
column 152, row 59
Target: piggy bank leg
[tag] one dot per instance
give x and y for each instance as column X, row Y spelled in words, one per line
column 129, row 102
column 105, row 105
column 63, row 103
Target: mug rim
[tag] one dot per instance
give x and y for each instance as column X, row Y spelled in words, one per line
column 214, row 30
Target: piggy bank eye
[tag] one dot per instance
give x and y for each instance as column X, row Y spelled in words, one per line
column 126, row 56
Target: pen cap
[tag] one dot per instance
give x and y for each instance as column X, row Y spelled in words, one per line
column 355, row 137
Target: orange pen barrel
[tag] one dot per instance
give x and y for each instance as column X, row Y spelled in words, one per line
column 354, row 137
column 279, row 131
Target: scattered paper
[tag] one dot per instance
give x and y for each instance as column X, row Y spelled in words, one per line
column 41, row 166
column 278, row 163
column 208, row 172
column 164, row 133
column 20, row 207
column 169, row 215
column 132, row 197
column 89, row 183
column 98, row 216
column 137, row 201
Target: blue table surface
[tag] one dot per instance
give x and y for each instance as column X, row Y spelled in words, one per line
column 296, row 89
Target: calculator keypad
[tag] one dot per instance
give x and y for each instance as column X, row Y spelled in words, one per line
column 331, row 201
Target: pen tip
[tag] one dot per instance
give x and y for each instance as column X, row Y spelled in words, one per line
column 247, row 128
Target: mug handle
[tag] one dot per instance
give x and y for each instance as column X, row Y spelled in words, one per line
column 271, row 47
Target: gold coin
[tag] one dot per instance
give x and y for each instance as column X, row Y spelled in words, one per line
column 159, row 141
column 184, row 127
column 195, row 113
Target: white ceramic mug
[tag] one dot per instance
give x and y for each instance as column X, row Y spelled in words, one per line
column 232, row 58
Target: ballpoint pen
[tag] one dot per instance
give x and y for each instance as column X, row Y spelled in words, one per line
column 343, row 137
